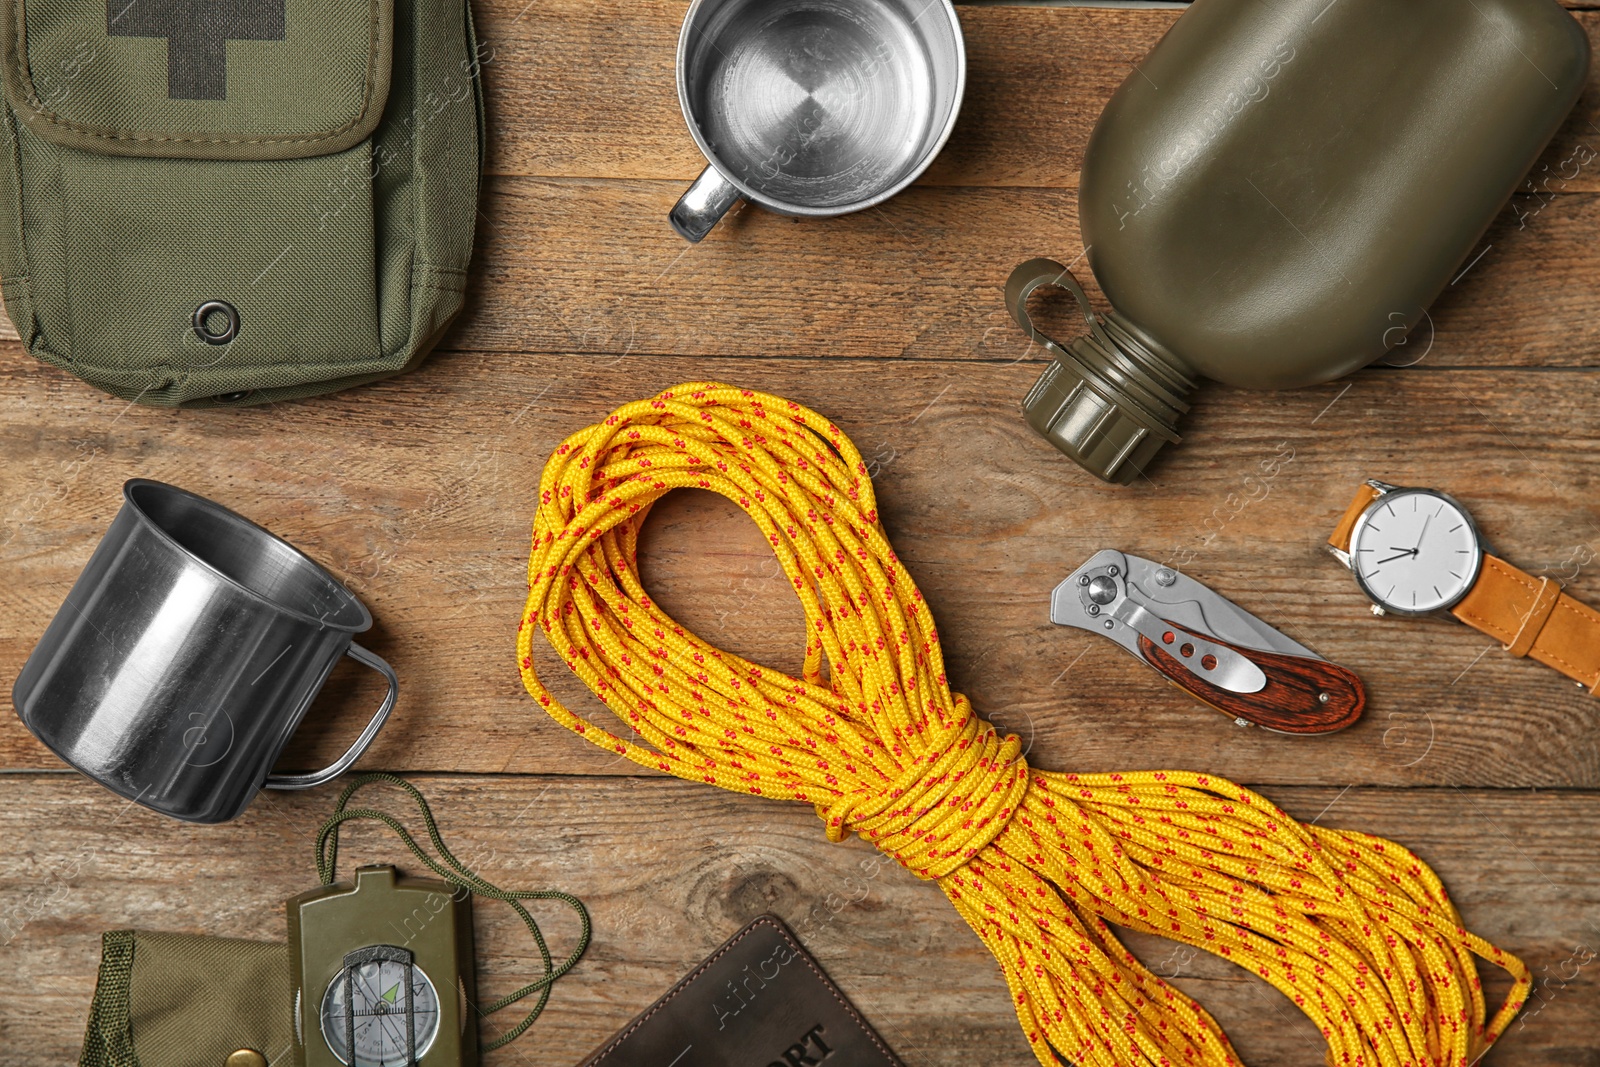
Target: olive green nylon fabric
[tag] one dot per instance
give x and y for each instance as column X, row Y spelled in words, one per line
column 182, row 1000
column 108, row 1040
column 324, row 72
column 178, row 1000
column 344, row 266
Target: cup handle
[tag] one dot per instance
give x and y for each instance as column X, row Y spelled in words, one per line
column 702, row 207
column 343, row 763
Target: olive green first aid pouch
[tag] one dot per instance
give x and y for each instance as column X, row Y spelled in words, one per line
column 181, row 1000
column 233, row 202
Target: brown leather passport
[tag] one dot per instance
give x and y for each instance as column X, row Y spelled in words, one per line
column 759, row 1001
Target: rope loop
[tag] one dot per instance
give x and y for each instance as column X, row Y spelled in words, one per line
column 1354, row 930
column 946, row 808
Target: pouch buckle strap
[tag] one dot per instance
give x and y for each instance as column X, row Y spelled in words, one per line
column 1539, row 612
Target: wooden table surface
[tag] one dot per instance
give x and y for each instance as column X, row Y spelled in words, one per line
column 419, row 492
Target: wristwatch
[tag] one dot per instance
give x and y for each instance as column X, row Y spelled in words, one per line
column 1417, row 552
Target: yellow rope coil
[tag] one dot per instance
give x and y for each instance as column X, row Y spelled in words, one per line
column 1355, row 930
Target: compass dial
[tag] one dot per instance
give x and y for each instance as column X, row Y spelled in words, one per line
column 377, row 990
column 1416, row 552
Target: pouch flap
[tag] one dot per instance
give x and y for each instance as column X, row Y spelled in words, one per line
column 181, row 1000
column 199, row 79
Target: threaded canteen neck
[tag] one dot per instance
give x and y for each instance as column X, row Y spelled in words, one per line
column 1111, row 399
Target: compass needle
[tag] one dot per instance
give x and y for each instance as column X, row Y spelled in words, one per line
column 385, row 983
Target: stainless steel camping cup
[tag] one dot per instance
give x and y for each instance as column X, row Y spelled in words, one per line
column 186, row 655
column 814, row 107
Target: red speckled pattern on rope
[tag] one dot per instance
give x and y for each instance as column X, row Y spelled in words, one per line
column 1355, row 930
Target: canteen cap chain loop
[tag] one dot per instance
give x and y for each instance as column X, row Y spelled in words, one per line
column 1356, row 931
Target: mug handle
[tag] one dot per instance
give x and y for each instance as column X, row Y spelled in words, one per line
column 702, row 207
column 342, row 764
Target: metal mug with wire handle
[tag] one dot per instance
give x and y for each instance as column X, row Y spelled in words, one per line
column 187, row 653
column 814, row 107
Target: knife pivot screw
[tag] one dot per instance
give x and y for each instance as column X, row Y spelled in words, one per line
column 1166, row 578
column 1111, row 624
column 1093, row 610
column 1102, row 591
column 1083, row 579
column 1113, row 570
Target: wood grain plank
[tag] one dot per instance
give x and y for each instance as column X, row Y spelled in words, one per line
column 420, row 493
column 587, row 89
column 670, row 869
column 417, row 492
column 587, row 266
column 607, row 105
column 591, row 267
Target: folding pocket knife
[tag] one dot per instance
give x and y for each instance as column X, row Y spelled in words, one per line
column 1208, row 646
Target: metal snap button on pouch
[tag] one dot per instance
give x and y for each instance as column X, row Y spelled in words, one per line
column 208, row 329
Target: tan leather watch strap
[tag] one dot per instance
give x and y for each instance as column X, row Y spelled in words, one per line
column 1347, row 525
column 1532, row 617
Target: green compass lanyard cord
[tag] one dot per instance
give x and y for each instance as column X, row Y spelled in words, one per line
column 457, row 873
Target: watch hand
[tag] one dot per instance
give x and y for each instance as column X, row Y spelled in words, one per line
column 1407, row 554
column 1426, row 519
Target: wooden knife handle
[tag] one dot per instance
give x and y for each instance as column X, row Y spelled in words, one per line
column 1302, row 695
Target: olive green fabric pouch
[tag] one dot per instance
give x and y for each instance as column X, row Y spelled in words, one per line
column 233, row 202
column 178, row 1000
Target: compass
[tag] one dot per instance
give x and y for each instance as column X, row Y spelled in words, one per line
column 382, row 973
column 383, row 1005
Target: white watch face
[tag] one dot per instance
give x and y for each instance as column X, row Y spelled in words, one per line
column 1415, row 552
